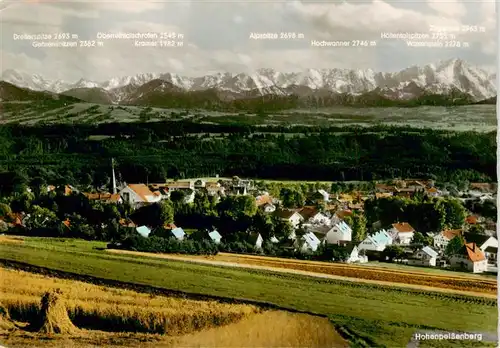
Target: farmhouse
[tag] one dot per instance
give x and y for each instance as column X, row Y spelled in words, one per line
column 423, row 257
column 402, row 232
column 470, row 258
column 442, row 239
column 138, row 194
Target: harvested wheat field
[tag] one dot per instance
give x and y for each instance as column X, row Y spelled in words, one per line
column 41, row 311
column 267, row 329
column 419, row 280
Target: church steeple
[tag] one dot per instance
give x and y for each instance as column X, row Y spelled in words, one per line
column 113, row 176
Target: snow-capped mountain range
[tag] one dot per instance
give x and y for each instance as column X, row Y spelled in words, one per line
column 434, row 78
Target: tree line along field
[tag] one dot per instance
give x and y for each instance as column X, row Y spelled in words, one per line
column 369, row 315
column 156, row 151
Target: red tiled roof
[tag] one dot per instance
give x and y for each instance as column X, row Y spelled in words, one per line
column 264, row 199
column 308, row 212
column 169, row 226
column 103, row 197
column 450, row 234
column 403, row 227
column 179, row 184
column 474, row 253
column 141, row 190
column 343, row 213
column 471, row 219
column 126, row 223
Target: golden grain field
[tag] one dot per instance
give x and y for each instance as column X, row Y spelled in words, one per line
column 143, row 320
column 113, row 309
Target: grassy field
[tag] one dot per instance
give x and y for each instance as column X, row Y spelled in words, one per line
column 370, row 315
column 450, row 281
column 460, row 118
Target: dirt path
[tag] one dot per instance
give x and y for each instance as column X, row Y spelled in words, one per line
column 307, row 273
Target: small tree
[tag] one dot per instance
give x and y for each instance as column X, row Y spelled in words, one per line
column 454, row 246
column 476, row 229
column 5, row 210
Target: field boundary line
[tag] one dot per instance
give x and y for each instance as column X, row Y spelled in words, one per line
column 365, row 268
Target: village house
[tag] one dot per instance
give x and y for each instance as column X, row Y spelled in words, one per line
column 415, row 185
column 487, row 244
column 180, row 185
column 471, row 258
column 139, row 194
column 104, row 197
column 433, row 192
column 265, row 202
column 312, row 215
column 274, row 240
column 425, row 256
column 379, row 195
column 355, row 255
column 293, row 217
column 178, row 233
column 143, row 231
column 214, row 189
column 442, row 239
column 340, row 233
column 308, row 243
column 376, row 242
column 190, row 196
column 198, row 184
column 384, row 188
column 402, row 232
column 255, row 239
column 127, row 223
column 215, row 236
column 321, row 195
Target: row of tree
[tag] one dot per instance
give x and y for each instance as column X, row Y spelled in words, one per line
column 356, row 155
column 424, row 213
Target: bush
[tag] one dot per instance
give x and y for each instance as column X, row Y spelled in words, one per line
column 166, row 245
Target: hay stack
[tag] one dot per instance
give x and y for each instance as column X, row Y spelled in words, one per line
column 54, row 317
column 5, row 323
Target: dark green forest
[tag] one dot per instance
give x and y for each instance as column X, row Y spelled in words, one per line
column 174, row 150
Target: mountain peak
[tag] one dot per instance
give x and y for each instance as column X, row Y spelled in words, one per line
column 439, row 77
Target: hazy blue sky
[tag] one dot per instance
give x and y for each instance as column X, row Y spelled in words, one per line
column 216, row 35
